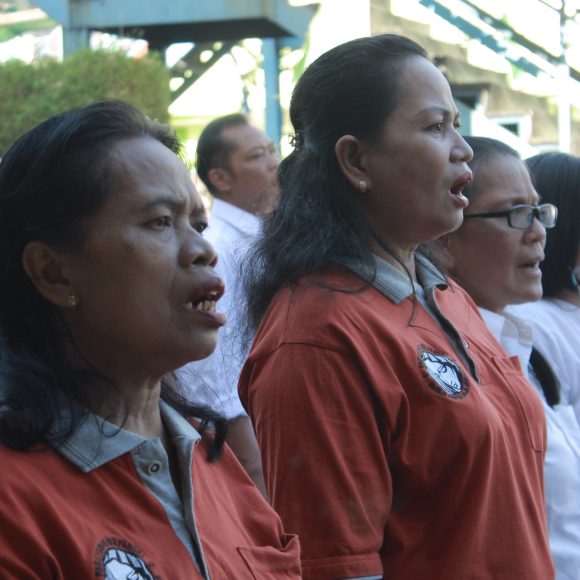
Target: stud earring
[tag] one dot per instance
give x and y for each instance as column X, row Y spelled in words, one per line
column 72, row 301
column 362, row 185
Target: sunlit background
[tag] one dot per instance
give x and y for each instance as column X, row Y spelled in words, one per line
column 514, row 66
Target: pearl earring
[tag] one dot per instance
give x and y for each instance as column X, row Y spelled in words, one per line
column 72, row 301
column 362, row 185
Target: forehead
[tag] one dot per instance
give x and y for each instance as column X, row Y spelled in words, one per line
column 502, row 178
column 145, row 168
column 146, row 158
column 245, row 137
column 423, row 87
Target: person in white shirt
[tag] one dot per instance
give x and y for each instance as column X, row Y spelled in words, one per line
column 238, row 164
column 495, row 255
column 556, row 318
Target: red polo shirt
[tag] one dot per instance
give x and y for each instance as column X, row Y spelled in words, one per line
column 103, row 506
column 385, row 448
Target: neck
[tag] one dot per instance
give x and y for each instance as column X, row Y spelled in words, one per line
column 406, row 257
column 243, row 203
column 135, row 408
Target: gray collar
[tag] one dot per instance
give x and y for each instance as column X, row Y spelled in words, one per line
column 395, row 285
column 96, row 441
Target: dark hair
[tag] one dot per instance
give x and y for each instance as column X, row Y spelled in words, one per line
column 320, row 221
column 556, row 178
column 213, row 149
column 52, row 179
column 484, row 148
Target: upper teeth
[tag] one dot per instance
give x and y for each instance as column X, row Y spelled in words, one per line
column 208, row 303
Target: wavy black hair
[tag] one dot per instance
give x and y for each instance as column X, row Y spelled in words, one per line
column 556, row 178
column 320, row 221
column 53, row 179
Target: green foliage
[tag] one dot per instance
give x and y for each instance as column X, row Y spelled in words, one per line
column 29, row 94
column 10, row 31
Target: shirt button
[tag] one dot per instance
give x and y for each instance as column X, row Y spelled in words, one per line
column 154, row 467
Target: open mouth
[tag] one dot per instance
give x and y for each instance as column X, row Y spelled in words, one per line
column 205, row 303
column 531, row 265
column 458, row 187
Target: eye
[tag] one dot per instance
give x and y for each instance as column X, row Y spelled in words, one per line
column 257, row 153
column 199, row 226
column 161, row 222
column 436, row 128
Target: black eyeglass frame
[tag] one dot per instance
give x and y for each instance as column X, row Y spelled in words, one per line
column 535, row 213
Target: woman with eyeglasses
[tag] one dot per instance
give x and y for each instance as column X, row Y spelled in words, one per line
column 397, row 439
column 556, row 318
column 496, row 257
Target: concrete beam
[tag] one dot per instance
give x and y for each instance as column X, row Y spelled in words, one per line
column 253, row 17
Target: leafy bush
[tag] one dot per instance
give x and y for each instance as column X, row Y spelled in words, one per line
column 30, row 93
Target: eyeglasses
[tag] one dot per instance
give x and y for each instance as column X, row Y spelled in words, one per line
column 522, row 216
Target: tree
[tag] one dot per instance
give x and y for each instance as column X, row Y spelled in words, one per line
column 30, row 93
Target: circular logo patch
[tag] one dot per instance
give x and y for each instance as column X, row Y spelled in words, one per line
column 442, row 373
column 119, row 560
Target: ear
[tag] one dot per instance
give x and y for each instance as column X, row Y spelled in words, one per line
column 350, row 153
column 48, row 271
column 221, row 179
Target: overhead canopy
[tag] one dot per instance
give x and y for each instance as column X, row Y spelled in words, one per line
column 163, row 22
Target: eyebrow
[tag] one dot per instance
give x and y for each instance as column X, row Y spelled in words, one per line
column 173, row 204
column 441, row 111
column 258, row 148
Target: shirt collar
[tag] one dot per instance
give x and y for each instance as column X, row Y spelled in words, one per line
column 97, row 441
column 395, row 285
column 238, row 218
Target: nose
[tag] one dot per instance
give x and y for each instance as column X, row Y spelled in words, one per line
column 273, row 160
column 461, row 150
column 196, row 250
column 536, row 232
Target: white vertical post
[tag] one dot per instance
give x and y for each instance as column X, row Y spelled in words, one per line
column 563, row 87
column 564, row 116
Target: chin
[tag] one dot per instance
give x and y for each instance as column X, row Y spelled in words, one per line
column 202, row 353
column 446, row 228
column 528, row 297
column 198, row 351
column 458, row 222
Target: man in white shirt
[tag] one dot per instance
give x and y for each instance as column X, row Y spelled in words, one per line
column 237, row 163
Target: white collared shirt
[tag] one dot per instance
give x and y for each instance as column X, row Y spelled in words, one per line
column 214, row 380
column 557, row 336
column 562, row 462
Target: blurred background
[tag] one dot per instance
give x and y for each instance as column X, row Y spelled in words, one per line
column 514, row 67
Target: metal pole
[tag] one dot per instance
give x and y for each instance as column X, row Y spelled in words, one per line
column 271, row 66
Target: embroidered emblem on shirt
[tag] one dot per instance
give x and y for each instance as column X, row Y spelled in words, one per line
column 443, row 375
column 119, row 560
